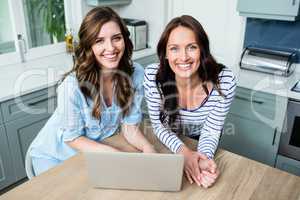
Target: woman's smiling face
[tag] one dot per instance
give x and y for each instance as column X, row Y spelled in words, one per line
column 109, row 46
column 183, row 52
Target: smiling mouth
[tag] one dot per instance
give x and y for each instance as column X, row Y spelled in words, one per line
column 185, row 66
column 110, row 56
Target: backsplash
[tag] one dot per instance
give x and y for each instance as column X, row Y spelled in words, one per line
column 273, row 34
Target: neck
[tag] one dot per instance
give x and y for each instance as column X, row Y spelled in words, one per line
column 187, row 83
column 107, row 77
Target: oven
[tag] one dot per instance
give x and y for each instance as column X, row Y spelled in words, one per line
column 290, row 139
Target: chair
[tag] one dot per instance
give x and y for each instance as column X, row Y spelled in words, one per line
column 28, row 166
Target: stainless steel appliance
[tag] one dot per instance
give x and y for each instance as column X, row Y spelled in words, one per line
column 138, row 32
column 290, row 139
column 268, row 61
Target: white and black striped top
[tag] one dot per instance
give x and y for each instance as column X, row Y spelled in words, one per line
column 207, row 120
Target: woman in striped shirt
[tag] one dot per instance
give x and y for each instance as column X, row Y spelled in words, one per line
column 189, row 93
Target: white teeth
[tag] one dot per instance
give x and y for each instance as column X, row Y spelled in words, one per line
column 110, row 56
column 184, row 65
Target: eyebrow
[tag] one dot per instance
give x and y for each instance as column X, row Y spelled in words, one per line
column 115, row 35
column 187, row 44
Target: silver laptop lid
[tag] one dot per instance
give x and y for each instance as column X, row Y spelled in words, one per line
column 135, row 171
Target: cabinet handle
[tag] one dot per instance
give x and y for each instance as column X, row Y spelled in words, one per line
column 294, row 2
column 246, row 99
column 274, row 136
column 37, row 102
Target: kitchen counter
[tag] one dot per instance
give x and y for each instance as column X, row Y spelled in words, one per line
column 240, row 178
column 24, row 78
column 277, row 85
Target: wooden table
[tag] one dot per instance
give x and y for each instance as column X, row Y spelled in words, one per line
column 240, row 179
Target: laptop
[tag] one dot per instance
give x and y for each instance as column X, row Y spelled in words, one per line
column 135, row 171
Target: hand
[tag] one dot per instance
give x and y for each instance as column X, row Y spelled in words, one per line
column 209, row 172
column 149, row 149
column 191, row 166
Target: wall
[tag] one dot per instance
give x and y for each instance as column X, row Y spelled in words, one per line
column 222, row 23
column 154, row 12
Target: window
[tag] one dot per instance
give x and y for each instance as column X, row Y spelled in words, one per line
column 31, row 29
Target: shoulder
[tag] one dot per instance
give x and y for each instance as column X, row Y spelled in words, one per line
column 151, row 71
column 138, row 74
column 69, row 86
column 227, row 80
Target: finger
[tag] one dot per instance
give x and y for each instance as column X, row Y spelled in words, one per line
column 197, row 171
column 209, row 174
column 206, row 181
column 212, row 166
column 187, row 174
column 197, row 181
column 202, row 156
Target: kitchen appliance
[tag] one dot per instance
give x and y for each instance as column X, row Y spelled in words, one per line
column 138, row 32
column 107, row 2
column 290, row 139
column 268, row 60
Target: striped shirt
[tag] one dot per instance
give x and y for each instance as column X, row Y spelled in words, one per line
column 205, row 121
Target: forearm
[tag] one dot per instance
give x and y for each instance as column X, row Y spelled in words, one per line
column 134, row 136
column 208, row 144
column 85, row 144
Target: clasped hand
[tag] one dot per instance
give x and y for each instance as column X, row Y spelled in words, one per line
column 198, row 168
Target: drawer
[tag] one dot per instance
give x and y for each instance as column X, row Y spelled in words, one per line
column 37, row 103
column 254, row 105
column 147, row 60
column 288, row 165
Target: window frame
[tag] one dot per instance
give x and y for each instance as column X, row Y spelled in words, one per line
column 17, row 17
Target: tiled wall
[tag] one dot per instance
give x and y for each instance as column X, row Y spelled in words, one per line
column 274, row 34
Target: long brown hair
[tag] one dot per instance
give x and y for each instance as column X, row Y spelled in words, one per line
column 87, row 69
column 208, row 70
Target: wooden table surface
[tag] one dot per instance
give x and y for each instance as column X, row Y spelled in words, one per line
column 240, row 179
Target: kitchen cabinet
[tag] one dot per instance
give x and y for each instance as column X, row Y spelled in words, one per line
column 270, row 9
column 253, row 125
column 21, row 133
column 6, row 167
column 23, row 117
column 288, row 164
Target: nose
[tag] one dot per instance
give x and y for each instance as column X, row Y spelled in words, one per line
column 109, row 45
column 183, row 55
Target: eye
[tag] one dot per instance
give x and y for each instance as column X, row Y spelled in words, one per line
column 173, row 49
column 99, row 41
column 117, row 38
column 192, row 47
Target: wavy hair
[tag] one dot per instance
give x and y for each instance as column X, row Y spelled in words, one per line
column 87, row 69
column 208, row 70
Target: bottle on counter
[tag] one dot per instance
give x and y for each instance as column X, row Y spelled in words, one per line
column 69, row 41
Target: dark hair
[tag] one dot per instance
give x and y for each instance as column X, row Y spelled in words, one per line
column 208, row 70
column 86, row 67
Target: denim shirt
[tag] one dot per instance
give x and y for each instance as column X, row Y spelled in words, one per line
column 72, row 118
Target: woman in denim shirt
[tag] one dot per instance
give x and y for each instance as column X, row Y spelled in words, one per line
column 101, row 93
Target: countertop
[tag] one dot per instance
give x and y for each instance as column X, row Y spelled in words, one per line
column 240, row 178
column 16, row 80
column 268, row 83
column 24, row 78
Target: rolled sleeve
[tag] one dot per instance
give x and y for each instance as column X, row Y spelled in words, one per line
column 69, row 107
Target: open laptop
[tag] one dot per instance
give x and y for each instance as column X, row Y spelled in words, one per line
column 135, row 171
